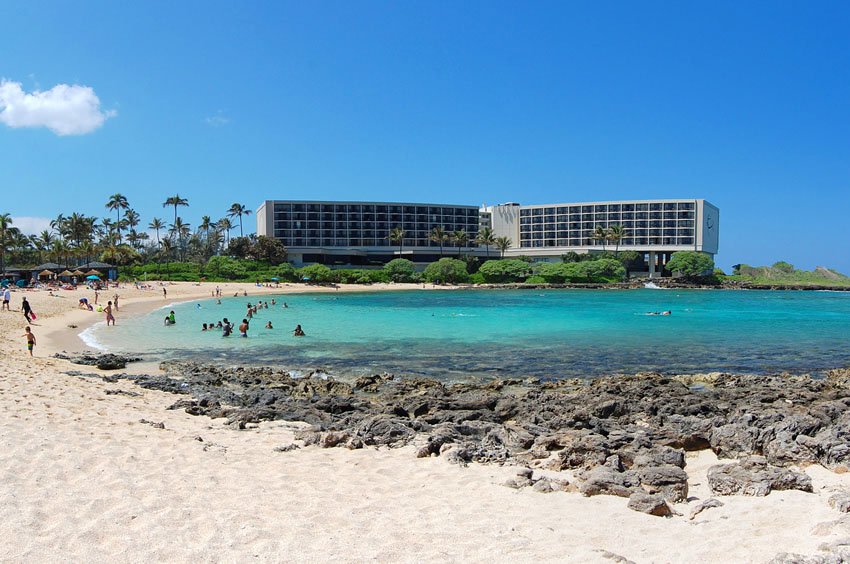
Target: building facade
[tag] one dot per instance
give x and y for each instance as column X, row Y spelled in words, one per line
column 358, row 233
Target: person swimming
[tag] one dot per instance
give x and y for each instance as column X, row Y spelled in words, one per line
column 269, row 325
column 298, row 332
column 204, row 327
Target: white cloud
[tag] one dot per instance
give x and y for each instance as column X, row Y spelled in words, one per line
column 217, row 120
column 31, row 225
column 64, row 109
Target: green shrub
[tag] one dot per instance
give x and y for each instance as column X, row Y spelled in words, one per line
column 226, row 267
column 507, row 270
column 548, row 272
column 691, row 263
column 534, row 279
column 446, row 271
column 783, row 266
column 285, row 272
column 400, row 270
column 476, row 278
column 318, row 273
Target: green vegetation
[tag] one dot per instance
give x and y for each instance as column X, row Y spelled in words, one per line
column 446, row 271
column 510, row 270
column 691, row 264
column 784, row 274
column 400, row 270
column 600, row 270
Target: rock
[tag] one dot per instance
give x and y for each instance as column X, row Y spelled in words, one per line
column 671, row 482
column 106, row 361
column 525, row 473
column 287, row 448
column 602, row 480
column 707, row 504
column 651, row 504
column 840, row 501
column 754, row 476
column 549, row 485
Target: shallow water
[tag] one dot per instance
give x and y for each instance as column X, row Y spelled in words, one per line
column 497, row 333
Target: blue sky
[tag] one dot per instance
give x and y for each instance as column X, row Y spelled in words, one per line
column 744, row 104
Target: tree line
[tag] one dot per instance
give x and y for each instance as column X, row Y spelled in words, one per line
column 124, row 239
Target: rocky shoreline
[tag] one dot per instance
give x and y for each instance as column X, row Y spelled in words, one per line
column 623, row 435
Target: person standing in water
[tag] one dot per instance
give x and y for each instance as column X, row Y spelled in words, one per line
column 243, row 328
column 108, row 311
column 298, row 332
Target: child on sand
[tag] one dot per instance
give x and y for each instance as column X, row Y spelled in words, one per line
column 30, row 339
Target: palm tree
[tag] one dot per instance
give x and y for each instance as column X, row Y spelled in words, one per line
column 503, row 244
column 238, row 210
column 485, row 237
column 225, row 225
column 439, row 235
column 165, row 249
column 59, row 250
column 461, row 237
column 180, row 231
column 616, row 234
column 600, row 234
column 156, row 224
column 175, row 201
column 205, row 226
column 42, row 242
column 5, row 226
column 117, row 202
column 397, row 236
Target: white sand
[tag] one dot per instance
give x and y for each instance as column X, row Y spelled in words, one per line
column 81, row 479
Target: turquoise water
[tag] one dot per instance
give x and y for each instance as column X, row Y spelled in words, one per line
column 500, row 333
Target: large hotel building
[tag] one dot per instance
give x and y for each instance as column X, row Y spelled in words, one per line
column 358, row 233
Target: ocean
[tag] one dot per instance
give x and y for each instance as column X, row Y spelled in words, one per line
column 476, row 334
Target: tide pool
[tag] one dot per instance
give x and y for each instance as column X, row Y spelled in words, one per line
column 508, row 333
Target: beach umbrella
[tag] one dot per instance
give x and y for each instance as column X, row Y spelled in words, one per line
column 66, row 273
column 92, row 277
column 78, row 273
column 275, row 278
column 45, row 273
column 93, row 273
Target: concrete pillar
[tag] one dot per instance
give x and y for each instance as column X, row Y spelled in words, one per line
column 652, row 260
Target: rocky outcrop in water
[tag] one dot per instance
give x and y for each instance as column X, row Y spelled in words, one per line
column 620, row 435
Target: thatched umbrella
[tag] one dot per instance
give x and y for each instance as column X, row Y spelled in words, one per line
column 44, row 273
column 78, row 273
column 66, row 273
column 93, row 272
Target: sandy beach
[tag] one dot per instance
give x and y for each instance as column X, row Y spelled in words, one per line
column 88, row 474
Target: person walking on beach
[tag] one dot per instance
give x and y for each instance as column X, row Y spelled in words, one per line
column 7, row 298
column 30, row 339
column 164, row 294
column 115, row 299
column 25, row 307
column 108, row 311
